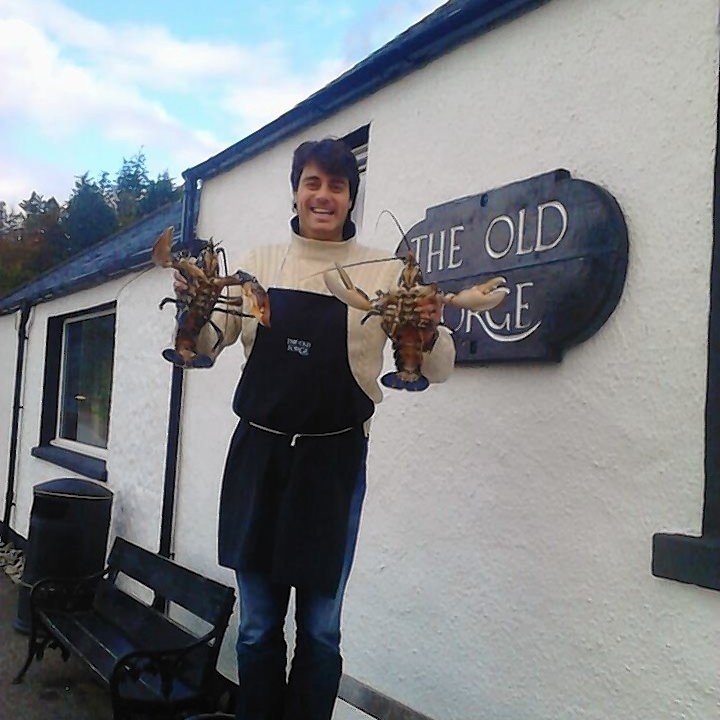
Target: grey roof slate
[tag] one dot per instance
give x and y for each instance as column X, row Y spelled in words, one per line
column 121, row 253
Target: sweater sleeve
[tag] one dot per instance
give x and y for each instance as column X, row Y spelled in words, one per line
column 438, row 364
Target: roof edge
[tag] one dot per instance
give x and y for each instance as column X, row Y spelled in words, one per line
column 447, row 27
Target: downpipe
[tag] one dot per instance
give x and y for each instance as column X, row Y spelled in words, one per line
column 25, row 309
column 187, row 231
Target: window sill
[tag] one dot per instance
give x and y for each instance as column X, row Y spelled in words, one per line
column 82, row 464
column 687, row 559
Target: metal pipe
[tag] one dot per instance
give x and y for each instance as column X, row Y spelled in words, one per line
column 187, row 232
column 15, row 425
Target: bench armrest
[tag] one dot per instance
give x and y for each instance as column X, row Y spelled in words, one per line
column 69, row 594
column 168, row 664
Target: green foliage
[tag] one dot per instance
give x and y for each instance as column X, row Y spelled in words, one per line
column 87, row 217
column 43, row 232
column 130, row 188
column 136, row 194
column 159, row 192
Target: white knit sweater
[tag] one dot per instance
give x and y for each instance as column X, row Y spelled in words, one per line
column 299, row 265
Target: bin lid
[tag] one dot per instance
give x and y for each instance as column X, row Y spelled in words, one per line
column 73, row 487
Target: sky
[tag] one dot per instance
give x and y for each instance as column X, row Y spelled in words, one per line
column 85, row 84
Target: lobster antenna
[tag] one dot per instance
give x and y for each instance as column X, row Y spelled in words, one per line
column 394, row 258
column 397, row 224
column 130, row 281
column 379, row 260
column 410, row 251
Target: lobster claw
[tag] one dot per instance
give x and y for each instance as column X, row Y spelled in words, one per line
column 485, row 296
column 338, row 282
column 161, row 251
column 259, row 301
column 253, row 291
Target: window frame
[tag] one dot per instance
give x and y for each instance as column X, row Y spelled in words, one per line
column 359, row 142
column 87, row 460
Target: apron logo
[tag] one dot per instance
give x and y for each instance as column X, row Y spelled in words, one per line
column 301, row 347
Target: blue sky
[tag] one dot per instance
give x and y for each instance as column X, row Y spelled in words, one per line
column 84, row 83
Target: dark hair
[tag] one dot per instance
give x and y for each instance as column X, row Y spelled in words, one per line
column 332, row 156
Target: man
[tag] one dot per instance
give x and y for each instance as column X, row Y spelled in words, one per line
column 294, row 479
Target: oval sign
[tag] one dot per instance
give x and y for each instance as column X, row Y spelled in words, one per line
column 561, row 244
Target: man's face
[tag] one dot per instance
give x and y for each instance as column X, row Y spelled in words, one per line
column 323, row 203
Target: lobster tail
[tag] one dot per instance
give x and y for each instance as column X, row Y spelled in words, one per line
column 414, row 383
column 190, row 361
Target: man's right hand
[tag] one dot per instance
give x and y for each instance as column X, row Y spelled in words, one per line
column 180, row 284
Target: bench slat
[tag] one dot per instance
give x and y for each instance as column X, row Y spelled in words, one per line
column 206, row 598
column 90, row 637
column 148, row 629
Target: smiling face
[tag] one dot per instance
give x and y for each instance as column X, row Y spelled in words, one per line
column 323, row 203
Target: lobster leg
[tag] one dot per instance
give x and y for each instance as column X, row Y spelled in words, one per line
column 220, row 334
column 227, row 311
column 167, row 300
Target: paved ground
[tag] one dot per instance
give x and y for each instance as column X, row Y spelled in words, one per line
column 52, row 689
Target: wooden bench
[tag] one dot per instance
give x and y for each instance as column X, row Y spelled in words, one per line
column 151, row 662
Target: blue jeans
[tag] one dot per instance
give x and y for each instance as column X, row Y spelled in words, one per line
column 311, row 689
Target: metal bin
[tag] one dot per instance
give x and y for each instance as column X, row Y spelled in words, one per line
column 69, row 525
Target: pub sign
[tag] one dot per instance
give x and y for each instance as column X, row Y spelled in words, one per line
column 562, row 245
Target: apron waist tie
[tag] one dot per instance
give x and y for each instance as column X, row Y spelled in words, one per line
column 294, row 437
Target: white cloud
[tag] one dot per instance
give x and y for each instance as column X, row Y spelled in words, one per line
column 64, row 76
column 62, row 97
column 264, row 98
column 92, row 73
column 19, row 177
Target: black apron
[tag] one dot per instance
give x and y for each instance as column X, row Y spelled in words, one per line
column 298, row 450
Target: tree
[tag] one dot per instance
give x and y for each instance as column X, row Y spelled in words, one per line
column 131, row 187
column 159, row 193
column 88, row 217
column 107, row 188
column 43, row 233
column 136, row 195
column 41, row 226
column 11, row 223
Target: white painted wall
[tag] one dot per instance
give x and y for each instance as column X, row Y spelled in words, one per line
column 136, row 448
column 504, row 561
column 504, row 564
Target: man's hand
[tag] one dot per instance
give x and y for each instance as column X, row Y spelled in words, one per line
column 429, row 309
column 180, row 284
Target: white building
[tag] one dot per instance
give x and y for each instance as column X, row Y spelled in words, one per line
column 504, row 564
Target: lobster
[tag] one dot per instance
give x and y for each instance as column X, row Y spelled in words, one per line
column 202, row 297
column 407, row 315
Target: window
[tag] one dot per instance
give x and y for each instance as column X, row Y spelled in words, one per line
column 86, row 380
column 77, row 391
column 359, row 141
